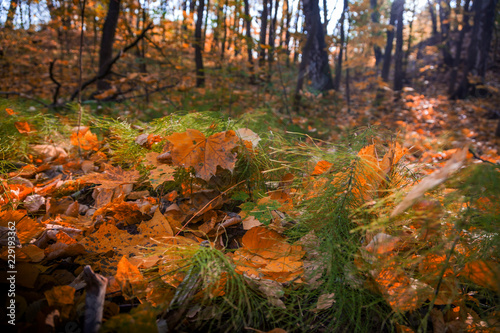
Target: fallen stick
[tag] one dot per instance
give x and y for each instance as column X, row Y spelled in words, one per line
column 94, row 301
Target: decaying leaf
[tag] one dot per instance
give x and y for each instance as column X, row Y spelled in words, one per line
column 158, row 226
column 161, row 173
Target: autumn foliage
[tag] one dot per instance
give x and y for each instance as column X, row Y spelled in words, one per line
column 180, row 232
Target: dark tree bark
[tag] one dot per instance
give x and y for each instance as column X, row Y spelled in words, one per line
column 296, row 41
column 477, row 57
column 249, row 39
column 263, row 33
column 338, row 66
column 325, row 16
column 458, row 49
column 287, row 32
column 398, row 56
column 9, row 21
column 224, row 35
column 236, row 28
column 206, row 22
column 198, row 46
column 390, row 40
column 107, row 40
column 272, row 37
column 410, row 36
column 432, row 11
column 375, row 17
column 444, row 20
column 314, row 54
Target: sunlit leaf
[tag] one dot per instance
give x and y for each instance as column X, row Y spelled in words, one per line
column 193, row 149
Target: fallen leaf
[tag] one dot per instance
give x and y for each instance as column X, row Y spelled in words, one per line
column 193, row 149
column 158, row 226
column 112, row 177
column 85, row 139
column 325, row 301
column 23, row 127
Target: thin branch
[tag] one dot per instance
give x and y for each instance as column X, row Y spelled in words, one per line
column 58, row 85
column 110, row 64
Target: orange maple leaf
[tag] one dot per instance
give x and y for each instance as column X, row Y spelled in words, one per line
column 193, row 149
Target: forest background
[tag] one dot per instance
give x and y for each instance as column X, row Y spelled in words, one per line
column 227, row 165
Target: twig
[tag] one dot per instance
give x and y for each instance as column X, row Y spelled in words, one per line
column 479, row 158
column 150, row 92
column 94, row 300
column 110, row 64
column 23, row 95
column 58, row 85
column 80, row 67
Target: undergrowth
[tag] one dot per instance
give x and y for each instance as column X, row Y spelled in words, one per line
column 456, row 222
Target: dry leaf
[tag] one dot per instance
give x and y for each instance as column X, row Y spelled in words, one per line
column 158, row 226
column 325, row 301
column 112, row 177
column 193, row 149
column 246, row 134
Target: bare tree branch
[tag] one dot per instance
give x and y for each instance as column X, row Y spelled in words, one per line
column 58, row 85
column 112, row 62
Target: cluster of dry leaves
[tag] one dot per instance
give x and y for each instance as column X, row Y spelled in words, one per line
column 73, row 212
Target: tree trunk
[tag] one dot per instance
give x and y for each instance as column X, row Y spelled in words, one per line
column 432, row 11
column 325, row 16
column 375, row 17
column 477, row 58
column 236, row 28
column 458, row 50
column 272, row 37
column 398, row 56
column 296, row 41
column 314, row 53
column 198, row 46
column 388, row 46
column 338, row 67
column 444, row 20
column 263, row 33
column 107, row 40
column 287, row 32
column 9, row 21
column 224, row 35
column 248, row 28
column 206, row 23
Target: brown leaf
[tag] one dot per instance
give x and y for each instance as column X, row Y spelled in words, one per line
column 157, row 226
column 60, row 295
column 193, row 149
column 112, row 177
